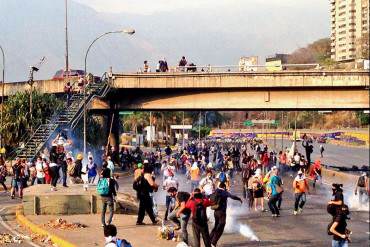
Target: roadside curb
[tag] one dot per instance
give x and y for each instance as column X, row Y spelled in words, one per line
column 21, row 219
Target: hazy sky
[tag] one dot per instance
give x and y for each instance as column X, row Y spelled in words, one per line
column 152, row 6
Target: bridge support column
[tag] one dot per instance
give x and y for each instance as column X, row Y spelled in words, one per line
column 113, row 128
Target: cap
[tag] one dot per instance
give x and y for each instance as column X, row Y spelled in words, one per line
column 80, row 156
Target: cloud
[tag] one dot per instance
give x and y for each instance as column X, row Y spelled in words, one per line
column 147, row 7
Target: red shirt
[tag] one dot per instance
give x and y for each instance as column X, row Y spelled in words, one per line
column 192, row 203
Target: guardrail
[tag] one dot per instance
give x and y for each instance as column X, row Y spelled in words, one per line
column 235, row 68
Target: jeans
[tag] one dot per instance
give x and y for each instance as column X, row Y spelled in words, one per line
column 201, row 230
column 54, row 172
column 64, row 172
column 300, row 200
column 169, row 202
column 107, row 201
column 272, row 204
column 194, row 184
column 339, row 243
column 218, row 229
column 183, row 222
column 40, row 180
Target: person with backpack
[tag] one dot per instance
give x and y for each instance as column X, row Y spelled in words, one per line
column 300, row 187
column 257, row 186
column 223, row 177
column 275, row 191
column 145, row 185
column 111, row 240
column 219, row 201
column 362, row 187
column 197, row 204
column 106, row 188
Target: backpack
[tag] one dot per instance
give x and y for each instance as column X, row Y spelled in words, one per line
column 222, row 177
column 216, row 199
column 200, row 216
column 361, row 181
column 122, row 243
column 71, row 169
column 137, row 184
column 103, row 187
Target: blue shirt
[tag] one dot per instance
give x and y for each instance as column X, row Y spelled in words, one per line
column 275, row 180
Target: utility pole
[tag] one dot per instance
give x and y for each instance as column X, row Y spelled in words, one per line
column 200, row 116
column 151, row 131
column 282, row 132
column 2, row 95
column 183, row 130
column 66, row 36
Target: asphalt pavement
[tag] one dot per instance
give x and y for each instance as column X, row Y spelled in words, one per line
column 334, row 155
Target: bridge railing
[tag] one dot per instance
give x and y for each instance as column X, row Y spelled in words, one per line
column 238, row 68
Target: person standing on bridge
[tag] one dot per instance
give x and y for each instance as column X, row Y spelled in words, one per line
column 182, row 64
column 146, row 67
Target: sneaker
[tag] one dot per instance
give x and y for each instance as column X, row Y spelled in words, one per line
column 140, row 223
column 300, row 210
column 274, row 215
column 295, row 212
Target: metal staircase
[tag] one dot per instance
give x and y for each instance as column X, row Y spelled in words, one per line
column 68, row 117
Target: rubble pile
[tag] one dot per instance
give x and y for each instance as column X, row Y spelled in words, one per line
column 6, row 238
column 64, row 225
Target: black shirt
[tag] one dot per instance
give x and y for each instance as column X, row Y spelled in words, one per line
column 223, row 194
column 341, row 227
column 338, row 196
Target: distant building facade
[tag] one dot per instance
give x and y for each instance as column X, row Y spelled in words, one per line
column 349, row 25
column 248, row 64
column 276, row 62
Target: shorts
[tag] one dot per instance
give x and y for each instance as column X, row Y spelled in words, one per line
column 17, row 184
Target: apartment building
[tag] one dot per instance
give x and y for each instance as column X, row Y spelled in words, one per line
column 349, row 25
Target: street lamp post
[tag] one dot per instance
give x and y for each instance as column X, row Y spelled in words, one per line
column 126, row 31
column 2, row 95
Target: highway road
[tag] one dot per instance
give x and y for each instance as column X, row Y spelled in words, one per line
column 333, row 154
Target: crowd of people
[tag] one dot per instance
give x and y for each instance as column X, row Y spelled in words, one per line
column 162, row 66
column 209, row 168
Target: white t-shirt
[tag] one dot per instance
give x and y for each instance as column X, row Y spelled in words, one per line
column 40, row 170
column 207, row 185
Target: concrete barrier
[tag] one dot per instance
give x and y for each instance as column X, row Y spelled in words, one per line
column 39, row 200
column 22, row 220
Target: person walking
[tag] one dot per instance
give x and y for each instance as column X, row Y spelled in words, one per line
column 220, row 200
column 3, row 174
column 275, row 190
column 322, row 150
column 362, row 187
column 207, row 184
column 194, row 175
column 17, row 179
column 258, row 190
column 300, row 187
column 197, row 205
column 107, row 186
column 147, row 186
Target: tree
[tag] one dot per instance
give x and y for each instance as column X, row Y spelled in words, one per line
column 17, row 117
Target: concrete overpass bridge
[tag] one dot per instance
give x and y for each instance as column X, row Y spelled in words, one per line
column 226, row 90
